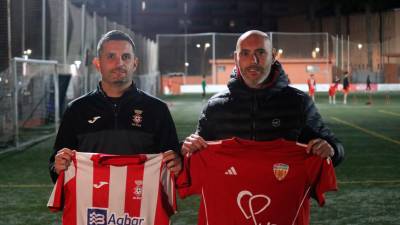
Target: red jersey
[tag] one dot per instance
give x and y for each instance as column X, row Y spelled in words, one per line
column 106, row 189
column 252, row 183
column 311, row 85
column 332, row 89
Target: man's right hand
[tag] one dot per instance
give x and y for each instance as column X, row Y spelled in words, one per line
column 63, row 159
column 193, row 143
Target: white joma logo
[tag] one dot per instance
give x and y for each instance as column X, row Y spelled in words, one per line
column 94, row 119
column 100, row 184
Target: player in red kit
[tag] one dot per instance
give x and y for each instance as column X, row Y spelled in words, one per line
column 312, row 84
column 332, row 91
column 346, row 86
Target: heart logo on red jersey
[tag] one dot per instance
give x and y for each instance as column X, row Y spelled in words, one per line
column 251, row 205
column 280, row 170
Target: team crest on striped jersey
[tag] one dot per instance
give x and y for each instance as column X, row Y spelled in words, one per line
column 137, row 118
column 280, row 170
column 138, row 189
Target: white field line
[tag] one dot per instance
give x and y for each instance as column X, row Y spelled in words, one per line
column 389, row 113
column 370, row 132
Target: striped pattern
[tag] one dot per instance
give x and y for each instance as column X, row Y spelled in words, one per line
column 115, row 189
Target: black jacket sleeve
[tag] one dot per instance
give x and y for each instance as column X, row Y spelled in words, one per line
column 66, row 138
column 316, row 128
column 167, row 134
column 204, row 129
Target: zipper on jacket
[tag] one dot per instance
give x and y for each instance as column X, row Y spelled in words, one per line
column 253, row 119
column 115, row 108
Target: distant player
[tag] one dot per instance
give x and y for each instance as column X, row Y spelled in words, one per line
column 203, row 86
column 346, row 86
column 368, row 91
column 368, row 88
column 332, row 91
column 311, row 86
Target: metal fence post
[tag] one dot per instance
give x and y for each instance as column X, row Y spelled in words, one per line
column 43, row 29
column 16, row 122
column 214, row 66
column 56, row 99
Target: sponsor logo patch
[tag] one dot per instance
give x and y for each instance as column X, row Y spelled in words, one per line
column 98, row 216
column 252, row 205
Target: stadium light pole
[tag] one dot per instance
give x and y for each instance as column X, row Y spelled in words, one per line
column 65, row 34
column 348, row 53
column 214, row 66
column 185, row 28
column 203, row 56
column 83, row 46
column 359, row 46
column 23, row 25
column 43, row 29
column 9, row 29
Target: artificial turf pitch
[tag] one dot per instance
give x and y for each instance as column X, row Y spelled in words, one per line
column 368, row 179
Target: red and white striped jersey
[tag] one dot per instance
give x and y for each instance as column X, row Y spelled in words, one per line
column 252, row 183
column 102, row 189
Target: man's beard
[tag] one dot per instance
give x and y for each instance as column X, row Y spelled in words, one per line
column 123, row 79
column 264, row 71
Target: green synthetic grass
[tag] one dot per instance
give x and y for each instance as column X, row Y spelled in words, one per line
column 369, row 178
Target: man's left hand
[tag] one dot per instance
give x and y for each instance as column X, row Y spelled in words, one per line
column 320, row 147
column 173, row 161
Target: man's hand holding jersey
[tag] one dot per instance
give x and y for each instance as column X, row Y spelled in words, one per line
column 63, row 159
column 320, row 147
column 193, row 143
column 173, row 161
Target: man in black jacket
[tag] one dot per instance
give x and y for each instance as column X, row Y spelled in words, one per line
column 259, row 105
column 117, row 118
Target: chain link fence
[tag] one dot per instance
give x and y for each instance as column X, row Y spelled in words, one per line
column 211, row 54
column 55, row 31
column 29, row 103
column 366, row 60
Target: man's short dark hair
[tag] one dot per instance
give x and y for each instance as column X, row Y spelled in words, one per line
column 114, row 35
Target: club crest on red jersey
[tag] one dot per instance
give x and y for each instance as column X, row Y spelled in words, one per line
column 137, row 118
column 280, row 170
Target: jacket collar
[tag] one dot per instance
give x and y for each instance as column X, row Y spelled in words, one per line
column 131, row 91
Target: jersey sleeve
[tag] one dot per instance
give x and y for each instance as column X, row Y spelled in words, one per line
column 323, row 179
column 168, row 195
column 189, row 181
column 56, row 202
